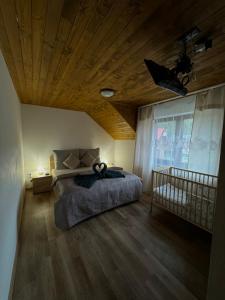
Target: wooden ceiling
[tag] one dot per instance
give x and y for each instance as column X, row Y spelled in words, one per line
column 61, row 53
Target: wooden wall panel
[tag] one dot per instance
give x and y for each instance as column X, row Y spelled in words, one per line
column 60, row 53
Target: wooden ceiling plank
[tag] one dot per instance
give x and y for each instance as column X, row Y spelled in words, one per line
column 134, row 62
column 122, row 46
column 94, row 43
column 64, row 16
column 7, row 53
column 128, row 112
column 78, row 76
column 23, row 13
column 135, row 16
column 128, row 20
column 68, row 60
column 61, row 53
column 121, row 134
column 11, row 27
column 101, row 11
column 125, row 66
column 39, row 10
column 127, row 71
column 50, row 44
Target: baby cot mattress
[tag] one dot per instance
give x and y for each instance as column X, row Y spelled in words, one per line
column 170, row 193
column 185, row 205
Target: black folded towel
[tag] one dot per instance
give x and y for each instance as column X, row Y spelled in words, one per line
column 113, row 174
column 88, row 180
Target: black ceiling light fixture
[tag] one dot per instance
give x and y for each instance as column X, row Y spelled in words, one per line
column 177, row 78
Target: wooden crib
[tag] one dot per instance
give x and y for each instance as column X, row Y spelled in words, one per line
column 189, row 195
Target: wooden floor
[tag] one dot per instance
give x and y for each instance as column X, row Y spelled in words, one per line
column 122, row 254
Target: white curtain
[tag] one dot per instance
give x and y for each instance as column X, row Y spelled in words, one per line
column 143, row 163
column 184, row 133
column 206, row 135
column 172, row 132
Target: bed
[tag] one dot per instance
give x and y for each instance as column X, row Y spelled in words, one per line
column 188, row 194
column 76, row 203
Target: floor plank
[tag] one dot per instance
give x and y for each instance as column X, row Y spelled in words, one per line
column 125, row 253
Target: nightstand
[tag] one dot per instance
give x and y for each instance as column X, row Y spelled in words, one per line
column 42, row 184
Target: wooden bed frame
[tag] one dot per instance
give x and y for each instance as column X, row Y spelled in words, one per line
column 51, row 163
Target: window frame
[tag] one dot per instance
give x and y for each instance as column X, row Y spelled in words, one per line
column 178, row 118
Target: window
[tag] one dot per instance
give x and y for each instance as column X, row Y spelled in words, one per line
column 172, row 137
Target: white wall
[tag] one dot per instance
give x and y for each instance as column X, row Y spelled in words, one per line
column 46, row 129
column 124, row 154
column 11, row 176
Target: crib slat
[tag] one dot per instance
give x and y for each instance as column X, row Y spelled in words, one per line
column 163, row 197
column 170, row 195
column 214, row 207
column 191, row 199
column 207, row 204
column 201, row 205
column 177, row 194
column 155, row 186
column 167, row 188
column 161, row 189
column 181, row 194
column 158, row 186
column 196, row 199
column 182, row 198
column 195, row 172
column 194, row 184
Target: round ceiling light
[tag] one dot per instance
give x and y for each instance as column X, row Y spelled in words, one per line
column 107, row 92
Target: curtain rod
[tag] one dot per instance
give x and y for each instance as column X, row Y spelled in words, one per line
column 188, row 94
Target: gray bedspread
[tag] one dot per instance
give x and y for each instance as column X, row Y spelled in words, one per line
column 76, row 203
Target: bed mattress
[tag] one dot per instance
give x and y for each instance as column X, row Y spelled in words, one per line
column 76, row 203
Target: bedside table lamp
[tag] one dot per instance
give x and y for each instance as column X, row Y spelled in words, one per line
column 110, row 164
column 41, row 170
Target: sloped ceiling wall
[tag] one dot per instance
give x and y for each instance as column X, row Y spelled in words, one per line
column 60, row 53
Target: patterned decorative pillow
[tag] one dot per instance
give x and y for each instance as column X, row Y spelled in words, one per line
column 87, row 160
column 93, row 152
column 61, row 155
column 72, row 162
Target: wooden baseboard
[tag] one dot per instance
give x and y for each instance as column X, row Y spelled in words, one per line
column 19, row 220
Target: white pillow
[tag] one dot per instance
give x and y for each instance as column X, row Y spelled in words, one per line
column 71, row 162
